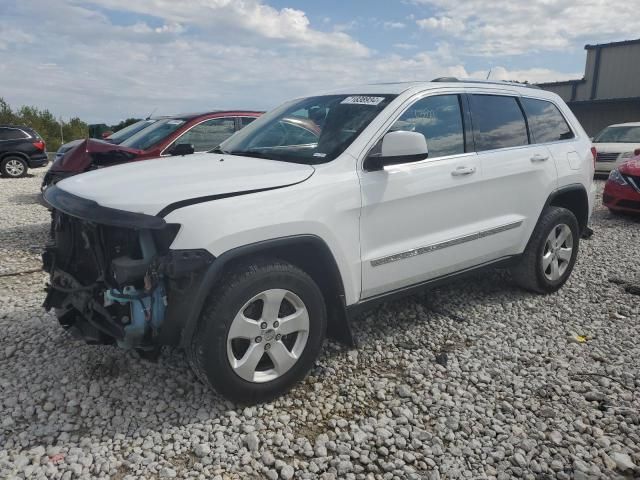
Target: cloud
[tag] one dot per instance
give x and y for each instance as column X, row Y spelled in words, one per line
column 446, row 24
column 248, row 17
column 113, row 61
column 393, row 25
column 508, row 27
column 405, row 46
column 531, row 75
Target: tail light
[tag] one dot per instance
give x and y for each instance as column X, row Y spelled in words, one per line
column 39, row 145
column 594, row 152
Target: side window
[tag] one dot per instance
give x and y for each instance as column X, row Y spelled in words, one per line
column 244, row 121
column 12, row 134
column 209, row 134
column 439, row 119
column 545, row 121
column 498, row 122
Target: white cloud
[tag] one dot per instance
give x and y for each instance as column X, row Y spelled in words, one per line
column 250, row 17
column 393, row 25
column 405, row 46
column 511, row 27
column 444, row 23
column 531, row 75
column 191, row 56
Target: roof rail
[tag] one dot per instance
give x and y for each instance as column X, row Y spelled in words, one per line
column 491, row 82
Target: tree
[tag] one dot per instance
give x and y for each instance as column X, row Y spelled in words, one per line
column 43, row 122
column 123, row 123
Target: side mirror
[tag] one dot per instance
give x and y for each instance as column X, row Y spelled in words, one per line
column 182, row 149
column 398, row 147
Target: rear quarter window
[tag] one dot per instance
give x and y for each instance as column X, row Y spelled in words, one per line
column 12, row 134
column 546, row 122
column 498, row 122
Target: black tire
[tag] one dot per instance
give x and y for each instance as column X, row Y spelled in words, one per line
column 7, row 168
column 529, row 272
column 208, row 350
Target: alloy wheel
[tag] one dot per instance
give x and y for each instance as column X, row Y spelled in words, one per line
column 14, row 168
column 557, row 253
column 268, row 335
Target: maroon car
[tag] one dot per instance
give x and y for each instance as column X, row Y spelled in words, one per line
column 174, row 135
column 622, row 190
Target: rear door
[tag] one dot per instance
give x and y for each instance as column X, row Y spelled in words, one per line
column 518, row 175
column 550, row 128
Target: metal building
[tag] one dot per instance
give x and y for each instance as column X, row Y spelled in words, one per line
column 609, row 92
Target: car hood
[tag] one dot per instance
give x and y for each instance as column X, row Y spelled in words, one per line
column 150, row 186
column 631, row 167
column 616, row 147
column 81, row 156
column 69, row 145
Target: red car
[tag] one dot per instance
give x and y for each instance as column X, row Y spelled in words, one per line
column 174, row 135
column 622, row 190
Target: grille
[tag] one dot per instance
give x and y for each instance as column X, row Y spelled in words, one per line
column 607, row 157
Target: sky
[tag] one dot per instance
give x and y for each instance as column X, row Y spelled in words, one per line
column 108, row 60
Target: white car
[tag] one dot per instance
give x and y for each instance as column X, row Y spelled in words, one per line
column 615, row 145
column 248, row 255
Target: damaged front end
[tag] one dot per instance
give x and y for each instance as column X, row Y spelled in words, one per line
column 113, row 277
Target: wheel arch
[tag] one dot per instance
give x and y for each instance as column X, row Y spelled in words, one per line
column 20, row 155
column 308, row 252
column 575, row 199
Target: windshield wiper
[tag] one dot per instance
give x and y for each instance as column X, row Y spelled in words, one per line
column 250, row 153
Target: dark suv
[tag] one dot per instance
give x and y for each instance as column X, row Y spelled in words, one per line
column 21, row 148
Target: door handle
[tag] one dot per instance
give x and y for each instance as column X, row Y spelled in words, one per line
column 539, row 158
column 461, row 171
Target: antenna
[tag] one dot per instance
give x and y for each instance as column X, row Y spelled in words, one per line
column 154, row 111
column 489, row 74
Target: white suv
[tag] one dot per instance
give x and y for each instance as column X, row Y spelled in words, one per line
column 246, row 256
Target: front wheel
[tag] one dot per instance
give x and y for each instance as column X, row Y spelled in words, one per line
column 551, row 252
column 260, row 333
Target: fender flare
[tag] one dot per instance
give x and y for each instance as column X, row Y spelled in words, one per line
column 21, row 155
column 338, row 324
column 573, row 187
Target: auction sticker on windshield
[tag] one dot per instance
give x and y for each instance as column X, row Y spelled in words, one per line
column 362, row 100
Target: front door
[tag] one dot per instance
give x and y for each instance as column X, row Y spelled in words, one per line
column 420, row 220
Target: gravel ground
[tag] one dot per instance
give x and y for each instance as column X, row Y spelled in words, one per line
column 475, row 380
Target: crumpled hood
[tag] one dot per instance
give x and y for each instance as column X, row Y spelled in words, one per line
column 631, row 167
column 149, row 186
column 79, row 158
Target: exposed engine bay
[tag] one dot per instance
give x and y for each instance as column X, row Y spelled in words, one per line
column 117, row 284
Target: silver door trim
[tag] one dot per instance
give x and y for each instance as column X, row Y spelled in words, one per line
column 444, row 244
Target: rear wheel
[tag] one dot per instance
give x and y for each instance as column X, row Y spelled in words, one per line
column 551, row 253
column 13, row 167
column 260, row 333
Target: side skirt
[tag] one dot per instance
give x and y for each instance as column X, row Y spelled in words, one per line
column 368, row 303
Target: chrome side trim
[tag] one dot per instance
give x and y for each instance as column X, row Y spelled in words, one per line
column 447, row 243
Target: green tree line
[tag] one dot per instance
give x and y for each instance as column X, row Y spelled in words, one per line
column 48, row 126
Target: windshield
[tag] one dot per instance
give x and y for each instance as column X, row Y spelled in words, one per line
column 619, row 135
column 310, row 130
column 153, row 134
column 126, row 132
